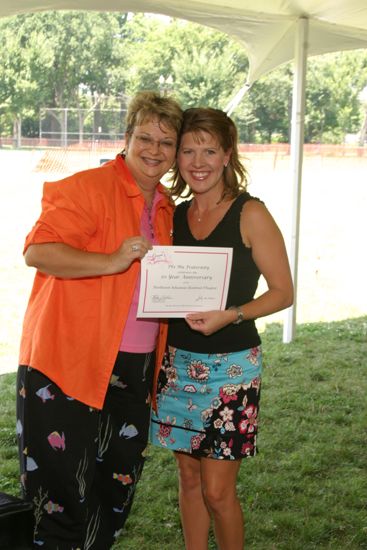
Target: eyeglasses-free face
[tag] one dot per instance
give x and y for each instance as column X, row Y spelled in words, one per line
column 201, row 161
column 150, row 152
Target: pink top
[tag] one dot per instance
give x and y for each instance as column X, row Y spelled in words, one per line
column 140, row 335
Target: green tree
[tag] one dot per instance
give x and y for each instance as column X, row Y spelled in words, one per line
column 269, row 101
column 205, row 65
column 90, row 60
column 23, row 60
column 51, row 58
column 208, row 65
column 333, row 84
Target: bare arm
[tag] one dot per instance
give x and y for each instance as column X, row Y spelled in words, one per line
column 260, row 232
column 62, row 260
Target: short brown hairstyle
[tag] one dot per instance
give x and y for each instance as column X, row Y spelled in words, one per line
column 221, row 127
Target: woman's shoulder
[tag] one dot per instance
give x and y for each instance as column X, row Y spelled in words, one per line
column 182, row 207
column 246, row 197
column 255, row 214
column 183, row 204
column 240, row 202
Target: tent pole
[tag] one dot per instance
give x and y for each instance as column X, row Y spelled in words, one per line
column 233, row 104
column 297, row 137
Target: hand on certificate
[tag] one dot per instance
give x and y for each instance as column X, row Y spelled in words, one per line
column 133, row 248
column 208, row 322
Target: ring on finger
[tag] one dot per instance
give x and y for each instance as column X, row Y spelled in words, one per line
column 134, row 247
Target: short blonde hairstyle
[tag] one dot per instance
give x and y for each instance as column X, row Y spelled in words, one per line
column 146, row 106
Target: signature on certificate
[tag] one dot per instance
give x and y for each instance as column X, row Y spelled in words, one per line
column 155, row 257
column 204, row 298
column 160, row 298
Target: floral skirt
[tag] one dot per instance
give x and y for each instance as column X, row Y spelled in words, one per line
column 208, row 404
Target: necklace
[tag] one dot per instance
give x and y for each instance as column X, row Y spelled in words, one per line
column 200, row 216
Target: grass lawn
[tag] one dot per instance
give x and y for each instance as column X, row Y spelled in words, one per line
column 307, row 488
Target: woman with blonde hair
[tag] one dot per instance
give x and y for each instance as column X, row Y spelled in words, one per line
column 87, row 363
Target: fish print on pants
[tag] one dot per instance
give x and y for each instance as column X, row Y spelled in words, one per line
column 31, row 464
column 45, row 394
column 124, row 479
column 52, row 507
column 19, row 428
column 115, row 381
column 128, row 431
column 56, row 440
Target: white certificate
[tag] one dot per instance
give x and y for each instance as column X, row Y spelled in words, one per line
column 176, row 280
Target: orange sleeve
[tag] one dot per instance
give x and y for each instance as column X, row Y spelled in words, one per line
column 67, row 215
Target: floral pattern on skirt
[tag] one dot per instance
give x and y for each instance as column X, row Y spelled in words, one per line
column 208, row 404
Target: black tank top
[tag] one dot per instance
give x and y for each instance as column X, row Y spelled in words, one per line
column 242, row 285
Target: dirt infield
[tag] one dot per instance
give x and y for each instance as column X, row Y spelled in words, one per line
column 332, row 272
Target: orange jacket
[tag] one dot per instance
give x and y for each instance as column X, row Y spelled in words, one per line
column 73, row 327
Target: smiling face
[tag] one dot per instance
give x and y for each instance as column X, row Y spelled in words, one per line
column 150, row 152
column 201, row 161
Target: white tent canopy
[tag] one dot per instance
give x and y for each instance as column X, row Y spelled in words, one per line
column 272, row 32
column 266, row 28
